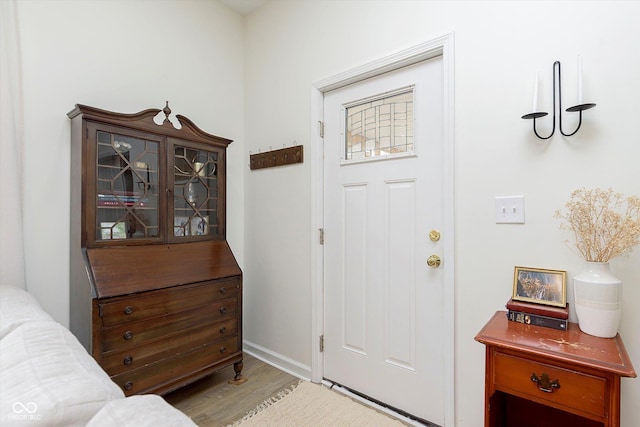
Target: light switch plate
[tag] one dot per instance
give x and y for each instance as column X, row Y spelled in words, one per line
column 510, row 210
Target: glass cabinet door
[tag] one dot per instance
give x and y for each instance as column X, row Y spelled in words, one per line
column 195, row 192
column 127, row 183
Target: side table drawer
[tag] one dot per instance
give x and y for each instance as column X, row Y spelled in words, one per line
column 565, row 389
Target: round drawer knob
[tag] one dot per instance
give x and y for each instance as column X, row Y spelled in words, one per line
column 127, row 335
column 223, row 310
column 223, row 290
column 223, row 349
column 128, row 360
column 128, row 385
column 223, row 330
column 128, row 310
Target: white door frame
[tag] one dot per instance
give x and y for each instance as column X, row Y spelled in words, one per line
column 440, row 46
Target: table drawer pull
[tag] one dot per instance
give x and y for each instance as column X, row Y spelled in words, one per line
column 127, row 335
column 128, row 310
column 223, row 349
column 544, row 382
column 128, row 385
column 223, row 310
column 128, row 360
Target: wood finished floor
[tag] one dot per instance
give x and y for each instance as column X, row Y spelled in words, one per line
column 213, row 402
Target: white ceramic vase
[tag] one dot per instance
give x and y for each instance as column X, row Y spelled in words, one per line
column 598, row 300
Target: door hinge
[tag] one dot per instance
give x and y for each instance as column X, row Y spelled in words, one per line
column 321, row 232
column 321, row 343
column 321, row 129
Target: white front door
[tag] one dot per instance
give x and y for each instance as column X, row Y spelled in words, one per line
column 383, row 197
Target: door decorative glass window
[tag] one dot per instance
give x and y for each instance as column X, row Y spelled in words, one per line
column 381, row 126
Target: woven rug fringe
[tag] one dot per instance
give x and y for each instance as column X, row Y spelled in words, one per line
column 267, row 403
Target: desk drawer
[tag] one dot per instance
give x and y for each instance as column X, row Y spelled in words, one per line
column 166, row 301
column 168, row 371
column 132, row 334
column 576, row 392
column 117, row 362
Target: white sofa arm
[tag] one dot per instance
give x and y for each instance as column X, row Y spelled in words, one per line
column 47, row 378
column 147, row 410
column 18, row 307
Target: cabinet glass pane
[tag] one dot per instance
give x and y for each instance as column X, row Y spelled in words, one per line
column 127, row 187
column 195, row 192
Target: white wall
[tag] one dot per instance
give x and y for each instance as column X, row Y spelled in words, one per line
column 498, row 48
column 125, row 57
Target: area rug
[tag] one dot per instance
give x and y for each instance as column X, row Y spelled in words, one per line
column 308, row 405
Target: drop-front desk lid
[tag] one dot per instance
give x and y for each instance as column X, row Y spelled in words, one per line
column 122, row 270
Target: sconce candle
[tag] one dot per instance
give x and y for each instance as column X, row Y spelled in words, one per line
column 579, row 80
column 535, row 94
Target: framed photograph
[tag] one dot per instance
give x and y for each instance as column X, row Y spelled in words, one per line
column 547, row 287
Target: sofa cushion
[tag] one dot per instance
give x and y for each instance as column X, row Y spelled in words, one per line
column 147, row 410
column 17, row 307
column 48, row 378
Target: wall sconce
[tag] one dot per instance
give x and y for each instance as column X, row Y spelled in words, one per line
column 579, row 108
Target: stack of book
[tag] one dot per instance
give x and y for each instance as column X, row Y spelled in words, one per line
column 538, row 314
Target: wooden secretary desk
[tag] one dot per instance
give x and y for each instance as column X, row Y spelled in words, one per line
column 156, row 293
column 542, row 377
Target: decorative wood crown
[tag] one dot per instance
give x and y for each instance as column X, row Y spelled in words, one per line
column 144, row 121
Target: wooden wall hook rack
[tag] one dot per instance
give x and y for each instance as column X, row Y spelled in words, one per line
column 281, row 157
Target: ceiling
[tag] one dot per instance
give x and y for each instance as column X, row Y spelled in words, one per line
column 243, row 7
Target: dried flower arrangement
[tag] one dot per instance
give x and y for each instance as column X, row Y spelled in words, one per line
column 603, row 226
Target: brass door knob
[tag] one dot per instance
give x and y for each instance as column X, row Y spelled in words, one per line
column 433, row 261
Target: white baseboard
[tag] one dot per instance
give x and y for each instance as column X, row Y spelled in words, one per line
column 277, row 360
